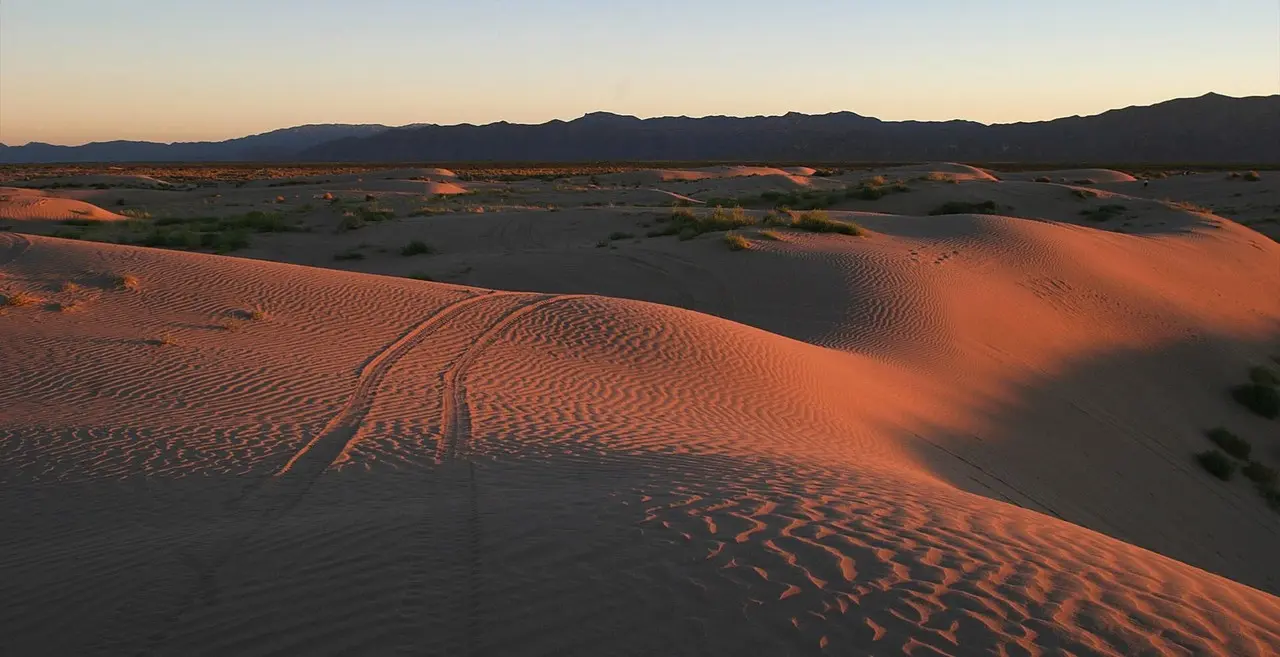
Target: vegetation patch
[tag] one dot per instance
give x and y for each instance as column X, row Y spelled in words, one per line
column 417, row 247
column 817, row 221
column 1084, row 194
column 1217, row 463
column 350, row 254
column 1259, row 473
column 770, row 235
column 736, row 242
column 1264, row 376
column 17, row 299
column 1230, row 443
column 1261, row 399
column 965, row 207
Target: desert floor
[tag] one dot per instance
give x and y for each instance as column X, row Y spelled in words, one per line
column 943, row 410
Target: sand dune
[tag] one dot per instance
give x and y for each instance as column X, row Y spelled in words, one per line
column 959, row 434
column 19, row 204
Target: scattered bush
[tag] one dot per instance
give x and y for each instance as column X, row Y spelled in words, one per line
column 124, row 281
column 1259, row 473
column 416, row 247
column 619, row 235
column 1230, row 443
column 1264, row 376
column 1084, row 194
column 350, row 254
column 817, row 221
column 964, row 207
column 370, row 198
column 736, row 242
column 135, row 213
column 1252, row 176
column 1043, row 179
column 770, row 235
column 18, row 299
column 1261, row 399
column 1217, row 463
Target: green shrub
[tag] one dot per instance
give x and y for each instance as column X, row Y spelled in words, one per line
column 817, row 221
column 416, row 247
column 1217, row 463
column 736, row 242
column 1259, row 473
column 1252, row 176
column 964, row 207
column 1264, row 376
column 1263, row 400
column 1230, row 443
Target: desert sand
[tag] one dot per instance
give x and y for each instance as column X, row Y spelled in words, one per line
column 546, row 433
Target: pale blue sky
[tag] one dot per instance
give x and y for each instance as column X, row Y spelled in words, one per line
column 82, row 70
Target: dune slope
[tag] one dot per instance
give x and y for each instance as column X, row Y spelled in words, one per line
column 367, row 464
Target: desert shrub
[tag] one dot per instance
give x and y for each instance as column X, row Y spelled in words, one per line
column 866, row 192
column 1230, row 443
column 375, row 214
column 1043, row 179
column 964, row 207
column 135, row 213
column 736, row 242
column 1264, row 376
column 770, row 235
column 416, row 247
column 1084, row 194
column 1252, row 176
column 1104, row 213
column 1263, row 400
column 350, row 254
column 817, row 221
column 67, row 234
column 1217, row 463
column 123, row 281
column 1259, row 473
column 349, row 222
column 619, row 235
column 772, row 218
column 18, row 299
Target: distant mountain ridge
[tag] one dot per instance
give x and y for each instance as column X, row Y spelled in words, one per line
column 1210, row 128
column 282, row 144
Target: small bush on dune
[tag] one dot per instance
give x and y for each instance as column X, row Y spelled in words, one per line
column 1217, row 463
column 1251, row 176
column 1264, row 376
column 18, row 299
column 1043, row 179
column 416, row 247
column 135, row 213
column 1259, row 473
column 1084, row 194
column 348, row 255
column 1230, row 443
column 1104, row 213
column 736, row 242
column 619, row 235
column 770, row 235
column 1261, row 399
column 817, row 221
column 124, row 281
column 965, row 207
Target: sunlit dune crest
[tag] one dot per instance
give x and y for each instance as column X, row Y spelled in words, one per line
column 967, row 427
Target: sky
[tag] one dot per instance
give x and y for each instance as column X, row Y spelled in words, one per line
column 73, row 71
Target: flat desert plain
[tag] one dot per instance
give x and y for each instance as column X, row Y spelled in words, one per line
column 927, row 410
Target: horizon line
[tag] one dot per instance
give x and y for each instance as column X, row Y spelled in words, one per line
column 632, row 116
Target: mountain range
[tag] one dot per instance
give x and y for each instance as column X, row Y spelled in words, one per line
column 1210, row 128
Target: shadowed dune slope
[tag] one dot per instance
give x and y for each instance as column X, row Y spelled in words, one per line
column 370, row 465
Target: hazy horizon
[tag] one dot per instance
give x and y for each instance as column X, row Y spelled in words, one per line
column 73, row 71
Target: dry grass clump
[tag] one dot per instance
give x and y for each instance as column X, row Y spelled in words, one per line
column 770, row 235
column 736, row 242
column 17, row 299
column 417, row 247
column 817, row 221
column 124, row 282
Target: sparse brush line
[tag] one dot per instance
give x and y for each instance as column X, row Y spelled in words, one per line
column 332, row 442
column 455, row 416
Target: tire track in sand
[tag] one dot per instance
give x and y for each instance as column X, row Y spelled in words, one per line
column 278, row 494
column 441, row 601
